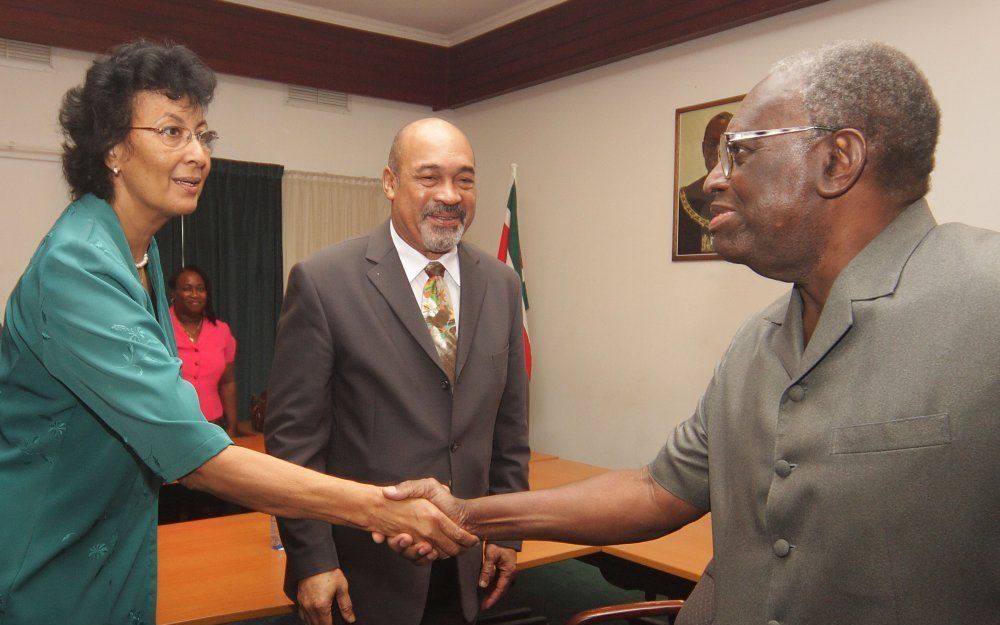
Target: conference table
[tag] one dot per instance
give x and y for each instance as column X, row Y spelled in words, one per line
column 223, row 569
column 684, row 553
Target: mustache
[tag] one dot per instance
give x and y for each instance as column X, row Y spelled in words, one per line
column 440, row 208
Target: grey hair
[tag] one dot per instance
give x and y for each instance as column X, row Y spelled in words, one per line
column 877, row 90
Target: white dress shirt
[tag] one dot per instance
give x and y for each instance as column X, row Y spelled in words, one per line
column 414, row 264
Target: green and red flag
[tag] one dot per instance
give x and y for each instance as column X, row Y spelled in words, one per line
column 510, row 253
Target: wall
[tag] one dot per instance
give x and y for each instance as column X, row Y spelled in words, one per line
column 250, row 115
column 624, row 339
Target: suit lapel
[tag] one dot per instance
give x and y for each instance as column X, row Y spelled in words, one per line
column 872, row 274
column 388, row 277
column 786, row 342
column 835, row 320
column 473, row 293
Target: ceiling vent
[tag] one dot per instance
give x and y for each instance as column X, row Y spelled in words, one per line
column 25, row 55
column 309, row 97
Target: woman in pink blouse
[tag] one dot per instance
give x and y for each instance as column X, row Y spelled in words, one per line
column 205, row 345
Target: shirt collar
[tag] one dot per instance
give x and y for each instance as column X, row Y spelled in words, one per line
column 414, row 262
column 876, row 269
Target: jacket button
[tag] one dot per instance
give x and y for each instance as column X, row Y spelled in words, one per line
column 796, row 393
column 783, row 468
column 781, row 547
column 445, row 384
column 454, row 447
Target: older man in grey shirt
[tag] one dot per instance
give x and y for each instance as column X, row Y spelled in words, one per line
column 847, row 445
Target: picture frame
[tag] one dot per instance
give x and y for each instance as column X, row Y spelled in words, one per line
column 696, row 134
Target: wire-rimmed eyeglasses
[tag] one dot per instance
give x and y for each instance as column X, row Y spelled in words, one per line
column 177, row 136
column 728, row 139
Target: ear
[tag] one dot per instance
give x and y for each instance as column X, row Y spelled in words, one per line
column 389, row 184
column 845, row 161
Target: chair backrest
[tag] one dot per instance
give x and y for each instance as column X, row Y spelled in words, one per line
column 627, row 611
column 697, row 609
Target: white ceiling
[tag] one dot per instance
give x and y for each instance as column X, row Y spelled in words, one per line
column 441, row 22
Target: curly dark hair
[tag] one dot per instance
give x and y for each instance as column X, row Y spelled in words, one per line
column 97, row 115
column 172, row 285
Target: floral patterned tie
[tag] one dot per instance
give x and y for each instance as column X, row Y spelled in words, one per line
column 440, row 317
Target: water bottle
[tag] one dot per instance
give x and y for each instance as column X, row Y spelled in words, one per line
column 275, row 536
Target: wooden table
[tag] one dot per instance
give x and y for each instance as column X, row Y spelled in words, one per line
column 557, row 471
column 537, row 456
column 546, row 471
column 682, row 554
column 254, row 441
column 685, row 553
column 221, row 570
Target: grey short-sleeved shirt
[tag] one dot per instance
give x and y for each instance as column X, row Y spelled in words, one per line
column 857, row 480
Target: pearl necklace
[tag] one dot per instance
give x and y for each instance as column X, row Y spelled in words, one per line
column 142, row 263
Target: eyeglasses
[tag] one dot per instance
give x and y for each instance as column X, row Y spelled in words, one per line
column 177, row 136
column 729, row 139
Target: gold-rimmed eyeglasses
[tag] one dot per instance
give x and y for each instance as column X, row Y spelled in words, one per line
column 727, row 144
column 177, row 136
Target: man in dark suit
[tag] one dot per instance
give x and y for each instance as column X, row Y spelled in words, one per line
column 399, row 355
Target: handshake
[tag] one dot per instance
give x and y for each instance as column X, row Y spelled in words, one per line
column 423, row 522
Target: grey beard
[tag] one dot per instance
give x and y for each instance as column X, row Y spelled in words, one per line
column 441, row 240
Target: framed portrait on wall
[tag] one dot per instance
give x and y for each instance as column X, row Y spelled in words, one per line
column 696, row 137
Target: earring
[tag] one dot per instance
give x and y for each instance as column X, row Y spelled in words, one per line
column 115, row 171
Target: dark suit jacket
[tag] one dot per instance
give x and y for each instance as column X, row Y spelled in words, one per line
column 357, row 391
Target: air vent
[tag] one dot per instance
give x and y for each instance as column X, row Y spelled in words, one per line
column 25, row 55
column 309, row 97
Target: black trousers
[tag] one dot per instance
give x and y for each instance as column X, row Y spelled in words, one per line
column 444, row 603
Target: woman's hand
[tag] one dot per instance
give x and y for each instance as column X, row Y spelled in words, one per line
column 429, row 491
column 423, row 522
column 227, row 393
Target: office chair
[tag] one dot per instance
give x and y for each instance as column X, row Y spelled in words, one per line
column 698, row 609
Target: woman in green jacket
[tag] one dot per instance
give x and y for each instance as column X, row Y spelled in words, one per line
column 94, row 414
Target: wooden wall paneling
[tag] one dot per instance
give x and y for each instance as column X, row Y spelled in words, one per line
column 570, row 37
column 244, row 41
column 597, row 40
column 581, row 34
column 289, row 49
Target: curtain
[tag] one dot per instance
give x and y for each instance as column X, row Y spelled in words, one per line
column 235, row 237
column 322, row 209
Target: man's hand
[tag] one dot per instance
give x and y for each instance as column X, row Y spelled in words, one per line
column 316, row 595
column 422, row 521
column 499, row 569
column 421, row 551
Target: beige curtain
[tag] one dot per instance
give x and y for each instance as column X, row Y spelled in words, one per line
column 321, row 209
